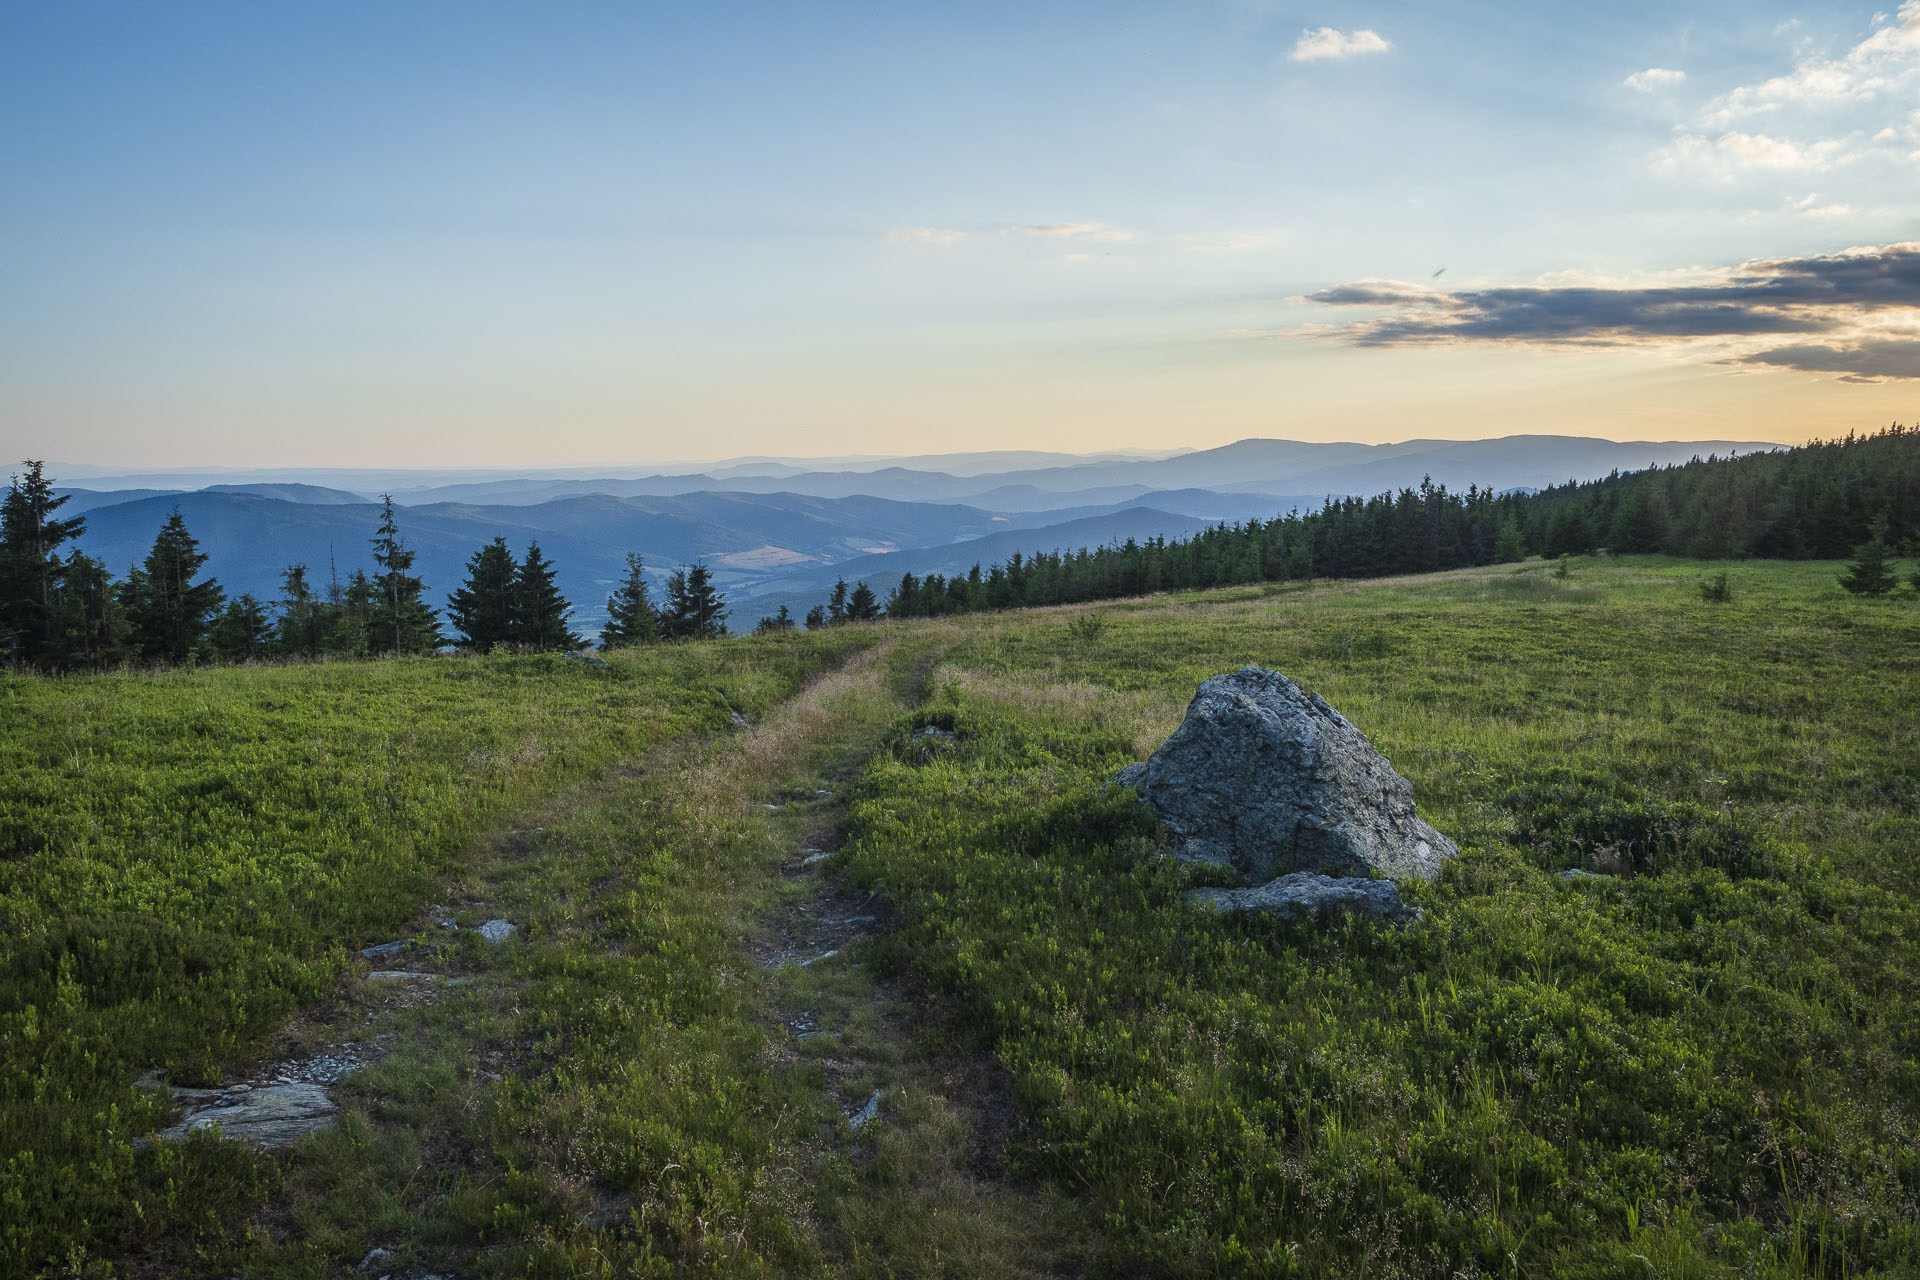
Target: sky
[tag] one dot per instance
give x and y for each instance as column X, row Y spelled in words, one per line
column 484, row 234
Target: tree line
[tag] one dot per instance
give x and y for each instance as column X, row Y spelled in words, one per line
column 60, row 609
column 1828, row 499
column 1859, row 495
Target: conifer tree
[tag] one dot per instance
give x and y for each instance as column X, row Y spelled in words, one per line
column 93, row 631
column 1869, row 574
column 540, row 611
column 816, row 617
column 167, row 610
column 862, row 606
column 485, row 612
column 1642, row 521
column 241, row 632
column 30, row 566
column 631, row 618
column 775, row 623
column 304, row 619
column 695, row 610
column 1508, row 544
column 400, row 621
column 352, row 620
column 837, row 603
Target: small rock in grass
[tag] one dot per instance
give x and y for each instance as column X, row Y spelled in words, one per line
column 385, row 949
column 400, row 975
column 275, row 1116
column 824, row 955
column 865, row 1115
column 1305, row 895
column 935, row 731
column 496, row 931
column 739, row 721
column 376, row 1258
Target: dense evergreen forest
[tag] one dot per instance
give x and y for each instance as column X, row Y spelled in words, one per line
column 1825, row 500
column 1858, row 496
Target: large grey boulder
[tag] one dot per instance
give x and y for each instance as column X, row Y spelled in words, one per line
column 1305, row 895
column 1269, row 779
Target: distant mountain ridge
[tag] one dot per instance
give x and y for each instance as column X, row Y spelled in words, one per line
column 774, row 534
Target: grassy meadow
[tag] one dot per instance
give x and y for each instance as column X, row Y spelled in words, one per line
column 188, row 858
column 1706, row 1064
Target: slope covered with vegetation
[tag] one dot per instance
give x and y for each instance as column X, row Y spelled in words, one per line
column 1707, row 1060
column 1703, row 1064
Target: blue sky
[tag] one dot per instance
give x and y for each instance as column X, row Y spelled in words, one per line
column 376, row 234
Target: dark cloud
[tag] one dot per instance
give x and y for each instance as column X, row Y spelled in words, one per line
column 1865, row 361
column 1815, row 297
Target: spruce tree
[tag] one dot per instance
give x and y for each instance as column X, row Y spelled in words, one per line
column 837, row 603
column 485, row 612
column 241, row 632
column 631, row 618
column 93, row 630
column 1642, row 522
column 303, row 617
column 1508, row 545
column 862, row 605
column 816, row 617
column 30, row 567
column 168, row 611
column 351, row 608
column 775, row 623
column 1869, row 574
column 695, row 610
column 400, row 622
column 540, row 611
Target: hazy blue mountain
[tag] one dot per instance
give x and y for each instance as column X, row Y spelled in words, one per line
column 749, row 540
column 784, row 536
column 79, row 500
column 313, row 493
column 808, row 586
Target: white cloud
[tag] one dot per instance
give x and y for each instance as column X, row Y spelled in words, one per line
column 1322, row 43
column 1654, row 78
column 1097, row 231
column 1732, row 152
column 1885, row 63
column 941, row 236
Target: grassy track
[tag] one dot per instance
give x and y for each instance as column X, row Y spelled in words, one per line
column 185, row 859
column 1708, row 1065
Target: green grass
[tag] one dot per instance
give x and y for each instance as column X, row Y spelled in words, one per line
column 185, row 859
column 1711, row 1062
column 1708, row 1065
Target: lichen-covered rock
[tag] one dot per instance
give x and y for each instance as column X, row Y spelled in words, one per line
column 1304, row 895
column 1270, row 780
column 276, row 1116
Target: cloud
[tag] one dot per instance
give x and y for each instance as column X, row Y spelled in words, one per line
column 942, row 236
column 1098, row 231
column 1843, row 300
column 1883, row 64
column 1654, row 78
column 1323, row 43
column 1732, row 152
column 1866, row 361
